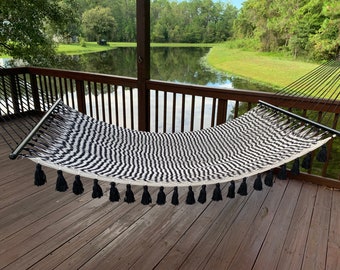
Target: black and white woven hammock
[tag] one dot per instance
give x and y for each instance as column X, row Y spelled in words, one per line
column 256, row 142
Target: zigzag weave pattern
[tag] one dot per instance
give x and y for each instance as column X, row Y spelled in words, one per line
column 259, row 140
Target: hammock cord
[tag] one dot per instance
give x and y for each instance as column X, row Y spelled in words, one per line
column 321, row 86
column 66, row 139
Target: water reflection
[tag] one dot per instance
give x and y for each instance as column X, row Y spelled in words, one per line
column 183, row 65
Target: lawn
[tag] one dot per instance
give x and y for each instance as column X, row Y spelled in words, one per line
column 265, row 68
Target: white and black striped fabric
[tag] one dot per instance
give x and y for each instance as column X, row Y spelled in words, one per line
column 253, row 143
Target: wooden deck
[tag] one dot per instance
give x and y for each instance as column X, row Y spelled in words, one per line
column 293, row 225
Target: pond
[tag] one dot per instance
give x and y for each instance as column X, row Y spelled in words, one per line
column 183, row 65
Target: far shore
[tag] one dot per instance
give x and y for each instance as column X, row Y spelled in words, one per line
column 269, row 69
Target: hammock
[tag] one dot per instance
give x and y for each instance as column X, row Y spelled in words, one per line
column 256, row 142
column 264, row 138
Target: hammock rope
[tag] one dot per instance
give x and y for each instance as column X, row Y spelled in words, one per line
column 264, row 138
column 253, row 143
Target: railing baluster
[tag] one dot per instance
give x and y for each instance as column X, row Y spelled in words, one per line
column 213, row 113
column 165, row 101
column 183, row 112
column 124, row 107
column 156, row 109
column 109, row 102
column 131, row 108
column 174, row 112
column 116, row 105
column 192, row 113
column 202, row 113
column 81, row 102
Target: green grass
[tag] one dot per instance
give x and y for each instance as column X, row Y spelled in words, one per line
column 270, row 69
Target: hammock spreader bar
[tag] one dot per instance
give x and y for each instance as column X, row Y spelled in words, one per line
column 20, row 147
column 300, row 118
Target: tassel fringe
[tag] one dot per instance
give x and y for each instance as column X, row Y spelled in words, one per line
column 283, row 172
column 268, row 180
column 217, row 194
column 202, row 197
column 77, row 186
column 146, row 197
column 307, row 161
column 174, row 199
column 129, row 196
column 258, row 182
column 114, row 194
column 39, row 176
column 231, row 190
column 97, row 191
column 242, row 190
column 61, row 184
column 296, row 167
column 191, row 196
column 161, row 197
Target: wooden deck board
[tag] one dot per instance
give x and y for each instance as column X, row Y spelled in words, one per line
column 294, row 246
column 292, row 225
column 272, row 246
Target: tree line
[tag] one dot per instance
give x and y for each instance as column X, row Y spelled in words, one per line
column 307, row 28
column 304, row 28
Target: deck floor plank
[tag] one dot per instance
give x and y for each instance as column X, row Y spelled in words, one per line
column 230, row 242
column 316, row 246
column 294, row 247
column 247, row 252
column 123, row 252
column 174, row 246
column 333, row 250
column 271, row 249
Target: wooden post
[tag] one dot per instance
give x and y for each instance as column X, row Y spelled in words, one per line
column 221, row 111
column 35, row 92
column 81, row 96
column 143, row 63
column 14, row 94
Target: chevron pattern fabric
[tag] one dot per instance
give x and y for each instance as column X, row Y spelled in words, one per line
column 254, row 143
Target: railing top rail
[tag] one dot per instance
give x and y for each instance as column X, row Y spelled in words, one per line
column 197, row 90
column 247, row 96
column 70, row 74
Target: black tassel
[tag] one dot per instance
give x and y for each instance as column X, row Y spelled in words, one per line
column 322, row 155
column 174, row 199
column 146, row 197
column 307, row 161
column 282, row 175
column 114, row 193
column 97, row 191
column 161, row 197
column 39, row 176
column 231, row 190
column 242, row 190
column 129, row 196
column 202, row 198
column 191, row 196
column 77, row 186
column 61, row 184
column 296, row 167
column 258, row 182
column 268, row 180
column 217, row 194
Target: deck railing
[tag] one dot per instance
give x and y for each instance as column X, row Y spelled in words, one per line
column 172, row 107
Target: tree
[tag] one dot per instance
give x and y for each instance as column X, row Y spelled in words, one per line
column 98, row 23
column 326, row 42
column 23, row 25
